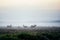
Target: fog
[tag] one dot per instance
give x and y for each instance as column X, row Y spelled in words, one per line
column 39, row 12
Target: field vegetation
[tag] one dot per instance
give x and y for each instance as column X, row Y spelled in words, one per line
column 33, row 34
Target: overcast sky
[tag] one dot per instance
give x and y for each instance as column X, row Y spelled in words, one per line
column 29, row 10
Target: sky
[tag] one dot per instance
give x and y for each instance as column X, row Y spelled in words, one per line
column 29, row 11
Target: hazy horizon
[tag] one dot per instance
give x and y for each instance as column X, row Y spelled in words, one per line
column 28, row 12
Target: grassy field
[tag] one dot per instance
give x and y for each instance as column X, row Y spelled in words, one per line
column 33, row 34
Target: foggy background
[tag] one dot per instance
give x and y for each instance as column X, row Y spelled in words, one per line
column 28, row 12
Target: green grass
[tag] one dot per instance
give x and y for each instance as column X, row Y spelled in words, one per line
column 31, row 36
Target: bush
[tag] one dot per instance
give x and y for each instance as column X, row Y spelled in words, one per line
column 28, row 36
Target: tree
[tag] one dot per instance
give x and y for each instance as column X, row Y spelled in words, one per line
column 33, row 26
column 9, row 26
column 24, row 26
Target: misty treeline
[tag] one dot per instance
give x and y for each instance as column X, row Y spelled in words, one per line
column 32, row 26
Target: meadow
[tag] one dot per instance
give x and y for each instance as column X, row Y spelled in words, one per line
column 52, row 33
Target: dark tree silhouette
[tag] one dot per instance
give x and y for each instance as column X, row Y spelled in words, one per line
column 24, row 26
column 33, row 26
